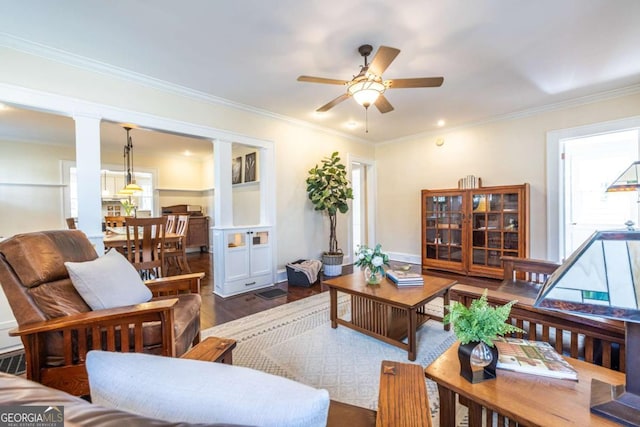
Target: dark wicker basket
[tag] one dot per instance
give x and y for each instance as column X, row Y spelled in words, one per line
column 298, row 278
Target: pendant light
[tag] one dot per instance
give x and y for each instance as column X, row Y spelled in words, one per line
column 130, row 181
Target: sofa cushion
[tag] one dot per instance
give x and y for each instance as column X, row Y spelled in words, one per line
column 38, row 258
column 107, row 282
column 58, row 298
column 196, row 391
column 186, row 321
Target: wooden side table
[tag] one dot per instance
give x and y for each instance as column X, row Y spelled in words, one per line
column 213, row 349
column 529, row 400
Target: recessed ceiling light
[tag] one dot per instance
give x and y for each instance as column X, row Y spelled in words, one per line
column 187, row 153
column 352, row 125
column 441, row 122
column 320, row 114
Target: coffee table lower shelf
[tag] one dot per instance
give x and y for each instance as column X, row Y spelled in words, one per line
column 383, row 320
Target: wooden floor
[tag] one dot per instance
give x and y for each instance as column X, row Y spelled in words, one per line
column 216, row 310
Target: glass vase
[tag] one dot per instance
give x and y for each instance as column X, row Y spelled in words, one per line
column 372, row 277
column 481, row 355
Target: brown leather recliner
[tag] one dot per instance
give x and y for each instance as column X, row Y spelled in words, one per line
column 58, row 328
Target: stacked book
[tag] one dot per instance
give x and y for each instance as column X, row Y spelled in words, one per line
column 405, row 278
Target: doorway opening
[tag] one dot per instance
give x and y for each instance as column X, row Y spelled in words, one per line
column 362, row 210
column 591, row 164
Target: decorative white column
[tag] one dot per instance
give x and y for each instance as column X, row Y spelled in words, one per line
column 88, row 172
column 223, row 195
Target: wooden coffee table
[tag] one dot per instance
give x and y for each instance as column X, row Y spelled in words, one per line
column 385, row 311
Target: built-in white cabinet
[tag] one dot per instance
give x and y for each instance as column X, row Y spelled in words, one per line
column 248, row 260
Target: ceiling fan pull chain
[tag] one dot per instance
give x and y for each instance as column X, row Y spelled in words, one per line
column 366, row 120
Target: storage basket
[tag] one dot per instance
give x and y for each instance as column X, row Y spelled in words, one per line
column 298, row 278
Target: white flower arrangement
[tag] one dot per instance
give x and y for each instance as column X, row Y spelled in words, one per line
column 372, row 258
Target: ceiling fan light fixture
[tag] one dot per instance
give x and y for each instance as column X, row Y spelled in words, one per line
column 366, row 91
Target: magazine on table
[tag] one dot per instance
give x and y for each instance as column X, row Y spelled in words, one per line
column 533, row 357
column 404, row 277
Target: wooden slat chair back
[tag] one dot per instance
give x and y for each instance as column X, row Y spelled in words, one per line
column 598, row 341
column 178, row 252
column 115, row 221
column 146, row 246
column 71, row 223
column 171, row 224
column 527, row 269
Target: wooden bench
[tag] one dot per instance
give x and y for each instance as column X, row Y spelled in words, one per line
column 402, row 399
column 594, row 340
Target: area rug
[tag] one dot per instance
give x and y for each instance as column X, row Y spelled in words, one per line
column 296, row 341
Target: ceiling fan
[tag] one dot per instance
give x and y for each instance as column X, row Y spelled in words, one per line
column 368, row 87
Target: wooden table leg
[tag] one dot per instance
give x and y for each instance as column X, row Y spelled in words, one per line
column 475, row 414
column 333, row 307
column 447, row 406
column 445, row 297
column 411, row 332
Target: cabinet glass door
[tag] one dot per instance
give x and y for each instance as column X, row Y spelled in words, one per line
column 444, row 227
column 236, row 239
column 494, row 223
column 259, row 238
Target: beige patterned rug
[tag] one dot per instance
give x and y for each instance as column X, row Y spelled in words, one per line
column 296, row 341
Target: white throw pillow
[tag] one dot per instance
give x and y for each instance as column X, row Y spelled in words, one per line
column 194, row 391
column 108, row 281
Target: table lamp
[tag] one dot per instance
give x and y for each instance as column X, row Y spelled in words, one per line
column 602, row 279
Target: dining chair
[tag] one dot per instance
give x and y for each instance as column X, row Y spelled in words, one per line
column 171, row 223
column 177, row 251
column 71, row 223
column 146, row 245
column 115, row 221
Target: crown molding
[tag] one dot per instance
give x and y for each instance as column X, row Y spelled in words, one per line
column 58, row 55
column 562, row 105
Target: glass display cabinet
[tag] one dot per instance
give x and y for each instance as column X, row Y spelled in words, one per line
column 469, row 231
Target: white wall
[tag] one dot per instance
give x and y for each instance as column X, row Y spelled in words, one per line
column 511, row 151
column 31, row 183
column 31, row 187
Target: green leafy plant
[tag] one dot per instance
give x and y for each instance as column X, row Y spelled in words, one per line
column 479, row 321
column 329, row 190
column 372, row 258
column 129, row 206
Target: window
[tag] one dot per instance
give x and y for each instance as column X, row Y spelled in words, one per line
column 111, row 182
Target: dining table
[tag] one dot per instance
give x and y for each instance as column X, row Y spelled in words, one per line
column 118, row 238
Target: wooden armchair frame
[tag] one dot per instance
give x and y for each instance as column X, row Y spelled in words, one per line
column 101, row 329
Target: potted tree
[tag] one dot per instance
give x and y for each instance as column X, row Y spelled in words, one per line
column 476, row 327
column 329, row 190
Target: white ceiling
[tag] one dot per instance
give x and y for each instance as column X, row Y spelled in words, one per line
column 498, row 57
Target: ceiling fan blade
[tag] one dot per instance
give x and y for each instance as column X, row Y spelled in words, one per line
column 417, row 82
column 384, row 56
column 383, row 104
column 329, row 105
column 311, row 79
